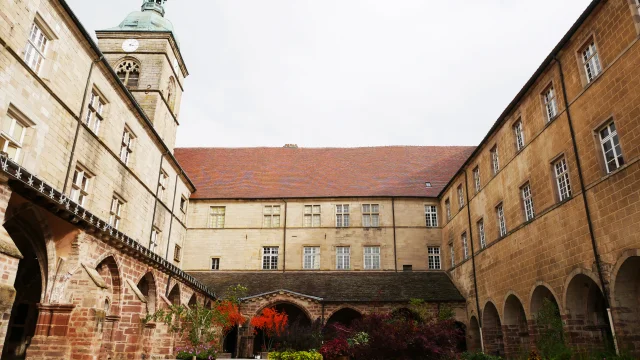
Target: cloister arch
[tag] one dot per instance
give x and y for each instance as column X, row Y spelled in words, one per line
column 193, row 301
column 109, row 271
column 626, row 301
column 174, row 295
column 538, row 296
column 298, row 317
column 515, row 327
column 147, row 287
column 587, row 323
column 474, row 343
column 492, row 330
column 344, row 316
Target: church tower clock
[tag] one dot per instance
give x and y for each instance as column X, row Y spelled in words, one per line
column 145, row 53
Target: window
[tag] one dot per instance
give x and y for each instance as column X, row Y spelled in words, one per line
column 94, row 112
column 343, row 258
column 447, row 206
column 215, row 263
column 611, row 147
column 115, row 214
column 483, row 241
column 502, row 226
column 407, row 267
column 434, row 258
column 342, row 215
column 270, row 258
column 431, row 215
column 162, row 184
column 36, row 50
column 518, row 131
column 177, row 253
column 591, row 61
column 12, row 136
column 495, row 161
column 216, row 217
column 372, row 257
column 183, row 204
column 153, row 243
column 311, row 258
column 476, row 179
column 550, row 103
column 80, row 186
column 465, row 249
column 311, row 216
column 129, row 72
column 271, row 217
column 460, row 197
column 562, row 179
column 126, row 147
column 370, row 215
column 453, row 255
column 527, row 202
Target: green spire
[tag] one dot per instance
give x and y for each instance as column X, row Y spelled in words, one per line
column 154, row 5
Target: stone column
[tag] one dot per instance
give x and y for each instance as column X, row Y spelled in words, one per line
column 51, row 340
column 9, row 259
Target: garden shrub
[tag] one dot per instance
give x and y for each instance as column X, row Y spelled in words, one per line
column 295, row 355
column 478, row 356
column 300, row 337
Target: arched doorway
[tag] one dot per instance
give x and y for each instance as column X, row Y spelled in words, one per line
column 30, row 281
column 174, row 295
column 108, row 270
column 492, row 331
column 515, row 328
column 147, row 287
column 299, row 322
column 587, row 320
column 627, row 305
column 344, row 316
column 546, row 328
column 474, row 343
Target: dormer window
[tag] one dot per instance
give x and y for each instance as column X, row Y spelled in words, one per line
column 129, row 72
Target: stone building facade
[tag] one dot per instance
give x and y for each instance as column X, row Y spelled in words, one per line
column 102, row 217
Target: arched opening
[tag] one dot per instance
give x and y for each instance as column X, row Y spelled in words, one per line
column 546, row 328
column 174, row 295
column 627, row 305
column 473, row 335
column 171, row 94
column 231, row 342
column 406, row 314
column 587, row 323
column 147, row 287
column 108, row 270
column 193, row 301
column 515, row 328
column 462, row 342
column 298, row 320
column 540, row 294
column 128, row 71
column 344, row 317
column 29, row 284
column 492, row 331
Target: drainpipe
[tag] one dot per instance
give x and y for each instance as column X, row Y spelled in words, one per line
column 393, row 214
column 155, row 203
column 75, row 138
column 585, row 201
column 284, row 238
column 473, row 260
column 173, row 207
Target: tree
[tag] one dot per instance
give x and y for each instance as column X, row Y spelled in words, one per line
column 272, row 323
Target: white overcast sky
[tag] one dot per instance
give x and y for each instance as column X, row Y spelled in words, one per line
column 345, row 73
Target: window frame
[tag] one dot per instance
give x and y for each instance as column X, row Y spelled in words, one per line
column 372, row 257
column 271, row 215
column 465, row 245
column 311, row 216
column 589, row 58
column 154, row 241
column 82, row 188
column 184, row 203
column 343, row 217
column 431, row 216
column 126, row 145
column 518, row 129
column 476, row 179
column 526, row 195
column 452, row 254
column 270, row 265
column 561, row 178
column 447, row 207
column 115, row 211
column 217, row 224
column 7, row 139
column 371, row 214
column 136, row 68
column 550, row 103
column 436, row 256
column 216, row 263
column 461, row 201
column 95, row 115
column 313, row 256
column 481, row 233
column 502, row 221
column 343, row 259
column 495, row 159
column 35, row 60
column 611, row 138
column 163, row 180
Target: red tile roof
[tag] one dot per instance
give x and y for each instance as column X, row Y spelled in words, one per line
column 269, row 173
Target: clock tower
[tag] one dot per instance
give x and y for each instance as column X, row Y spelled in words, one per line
column 145, row 53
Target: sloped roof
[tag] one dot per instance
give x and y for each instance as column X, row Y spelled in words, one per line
column 260, row 173
column 335, row 286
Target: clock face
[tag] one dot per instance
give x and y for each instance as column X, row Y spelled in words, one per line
column 130, row 45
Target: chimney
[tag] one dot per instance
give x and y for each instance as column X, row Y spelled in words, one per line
column 291, row 146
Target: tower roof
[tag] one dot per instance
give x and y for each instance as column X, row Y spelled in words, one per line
column 149, row 18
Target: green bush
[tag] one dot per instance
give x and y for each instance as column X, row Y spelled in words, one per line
column 479, row 356
column 295, row 355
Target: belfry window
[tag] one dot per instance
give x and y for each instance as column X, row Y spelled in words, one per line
column 129, row 72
